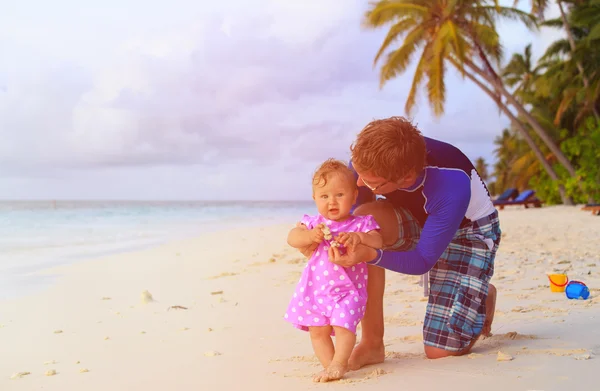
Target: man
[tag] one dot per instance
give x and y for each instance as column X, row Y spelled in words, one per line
column 437, row 217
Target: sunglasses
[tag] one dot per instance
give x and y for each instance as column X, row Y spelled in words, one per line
column 373, row 188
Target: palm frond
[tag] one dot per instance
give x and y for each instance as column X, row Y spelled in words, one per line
column 398, row 60
column 394, row 33
column 386, row 11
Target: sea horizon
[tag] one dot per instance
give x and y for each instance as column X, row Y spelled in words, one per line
column 40, row 234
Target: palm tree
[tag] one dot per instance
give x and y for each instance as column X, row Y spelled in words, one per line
column 539, row 7
column 481, row 167
column 460, row 33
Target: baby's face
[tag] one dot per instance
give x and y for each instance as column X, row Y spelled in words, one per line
column 335, row 199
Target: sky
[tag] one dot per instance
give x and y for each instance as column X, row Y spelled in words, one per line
column 239, row 100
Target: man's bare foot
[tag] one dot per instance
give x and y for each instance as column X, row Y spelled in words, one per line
column 490, row 309
column 364, row 354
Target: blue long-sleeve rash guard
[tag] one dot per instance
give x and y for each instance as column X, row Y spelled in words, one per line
column 448, row 193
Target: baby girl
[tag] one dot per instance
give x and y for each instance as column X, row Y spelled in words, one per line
column 330, row 299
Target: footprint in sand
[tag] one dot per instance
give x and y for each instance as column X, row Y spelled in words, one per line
column 19, row 375
column 504, row 357
column 146, row 297
column 50, row 372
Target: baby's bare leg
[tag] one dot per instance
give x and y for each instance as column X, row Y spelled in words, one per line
column 344, row 343
column 320, row 336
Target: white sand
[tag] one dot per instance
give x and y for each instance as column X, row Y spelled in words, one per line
column 238, row 339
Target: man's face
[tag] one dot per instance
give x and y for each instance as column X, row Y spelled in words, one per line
column 379, row 185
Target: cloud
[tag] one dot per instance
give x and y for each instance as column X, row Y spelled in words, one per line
column 223, row 95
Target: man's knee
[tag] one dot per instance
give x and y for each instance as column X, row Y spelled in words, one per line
column 383, row 212
column 435, row 353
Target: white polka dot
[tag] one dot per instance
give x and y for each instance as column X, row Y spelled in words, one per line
column 317, row 253
column 342, row 277
column 310, row 283
column 308, row 312
column 359, row 285
column 337, row 289
column 351, row 292
column 342, row 315
column 295, row 295
column 358, row 225
column 331, row 282
column 358, row 309
column 355, row 323
column 307, row 298
column 347, row 301
column 300, row 318
column 363, row 307
column 302, row 289
column 353, row 268
column 300, row 304
column 314, row 307
column 356, row 278
column 366, row 277
column 316, row 319
column 285, row 316
column 346, row 325
column 333, row 321
column 329, row 308
column 321, row 263
column 320, row 301
column 294, row 309
column 362, row 270
column 351, row 312
column 336, row 268
column 325, row 273
column 337, row 305
column 312, row 268
column 326, row 248
column 356, row 299
column 318, row 278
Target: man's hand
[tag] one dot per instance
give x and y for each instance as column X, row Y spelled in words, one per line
column 361, row 254
column 350, row 240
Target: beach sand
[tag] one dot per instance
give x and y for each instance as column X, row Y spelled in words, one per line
column 215, row 319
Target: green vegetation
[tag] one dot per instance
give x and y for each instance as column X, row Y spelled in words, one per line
column 553, row 143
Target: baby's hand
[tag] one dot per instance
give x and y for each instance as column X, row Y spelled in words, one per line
column 316, row 234
column 349, row 240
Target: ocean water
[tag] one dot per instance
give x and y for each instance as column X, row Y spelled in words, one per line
column 35, row 235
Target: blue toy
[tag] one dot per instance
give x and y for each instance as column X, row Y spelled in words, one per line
column 577, row 290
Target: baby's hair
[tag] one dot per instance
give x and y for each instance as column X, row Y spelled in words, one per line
column 333, row 166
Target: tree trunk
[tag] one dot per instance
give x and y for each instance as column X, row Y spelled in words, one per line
column 571, row 39
column 526, row 136
column 499, row 86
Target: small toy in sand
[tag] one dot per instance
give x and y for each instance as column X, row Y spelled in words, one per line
column 577, row 290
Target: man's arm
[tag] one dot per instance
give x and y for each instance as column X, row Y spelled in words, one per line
column 446, row 207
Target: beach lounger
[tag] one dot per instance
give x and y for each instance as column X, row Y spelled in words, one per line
column 509, row 194
column 594, row 208
column 527, row 198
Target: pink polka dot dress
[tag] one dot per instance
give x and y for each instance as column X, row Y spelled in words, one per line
column 328, row 294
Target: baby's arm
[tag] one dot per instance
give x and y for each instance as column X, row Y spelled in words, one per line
column 301, row 236
column 372, row 239
column 351, row 240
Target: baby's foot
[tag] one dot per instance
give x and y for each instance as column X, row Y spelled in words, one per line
column 336, row 371
column 321, row 377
